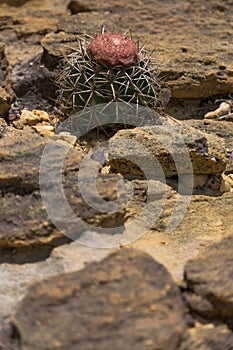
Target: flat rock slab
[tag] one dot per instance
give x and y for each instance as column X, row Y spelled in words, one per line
column 170, row 145
column 127, row 301
column 23, row 217
column 209, row 282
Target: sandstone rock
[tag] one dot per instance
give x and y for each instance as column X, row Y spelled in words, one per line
column 208, row 219
column 3, row 66
column 4, row 129
column 65, row 136
column 5, row 102
column 229, row 167
column 222, row 129
column 44, row 130
column 31, row 75
column 20, row 154
column 31, row 118
column 15, row 2
column 194, row 55
column 57, row 45
column 208, row 338
column 209, row 285
column 127, row 300
column 24, row 220
column 206, row 152
column 90, row 22
column 76, row 7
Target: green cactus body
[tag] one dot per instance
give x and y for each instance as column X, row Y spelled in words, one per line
column 86, row 80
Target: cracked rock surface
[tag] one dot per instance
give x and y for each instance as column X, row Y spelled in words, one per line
column 165, row 290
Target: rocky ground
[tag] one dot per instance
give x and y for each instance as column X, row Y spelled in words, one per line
column 165, row 290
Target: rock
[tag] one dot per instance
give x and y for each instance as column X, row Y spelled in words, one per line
column 208, row 277
column 5, row 102
column 3, row 67
column 227, row 183
column 31, row 75
column 76, row 7
column 207, row 220
column 208, row 338
column 24, row 221
column 44, row 130
column 57, row 45
column 15, row 2
column 222, row 129
column 193, row 50
column 207, row 152
column 128, row 300
column 17, row 275
column 89, row 22
column 23, row 218
column 229, row 167
column 4, row 129
column 31, row 118
column 65, row 136
column 20, row 155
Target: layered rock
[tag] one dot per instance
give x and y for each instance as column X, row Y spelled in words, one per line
column 193, row 49
column 128, row 300
column 209, row 284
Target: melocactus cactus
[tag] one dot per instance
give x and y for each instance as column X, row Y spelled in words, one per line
column 112, row 50
column 108, row 68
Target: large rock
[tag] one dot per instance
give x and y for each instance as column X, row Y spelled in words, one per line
column 170, row 145
column 127, row 301
column 23, row 215
column 209, row 282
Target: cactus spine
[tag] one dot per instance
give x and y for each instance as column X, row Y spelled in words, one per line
column 108, row 68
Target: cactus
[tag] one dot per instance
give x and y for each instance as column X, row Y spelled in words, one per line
column 110, row 67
